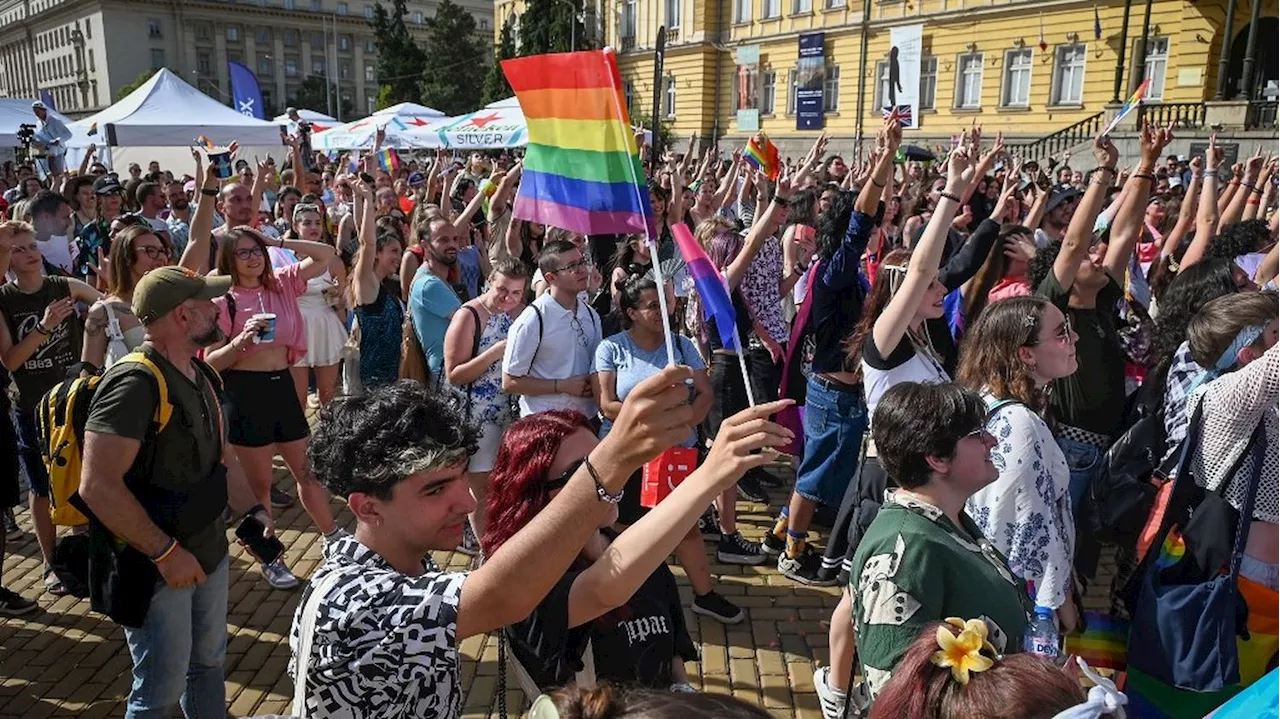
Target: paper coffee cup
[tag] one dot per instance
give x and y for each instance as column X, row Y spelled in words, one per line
column 221, row 162
column 268, row 333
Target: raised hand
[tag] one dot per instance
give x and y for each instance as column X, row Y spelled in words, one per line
column 1153, row 140
column 745, row 441
column 656, row 415
column 1104, row 152
column 959, row 169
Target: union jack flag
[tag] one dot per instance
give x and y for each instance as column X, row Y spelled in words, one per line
column 901, row 113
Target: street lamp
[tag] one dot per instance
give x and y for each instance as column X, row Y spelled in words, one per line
column 575, row 17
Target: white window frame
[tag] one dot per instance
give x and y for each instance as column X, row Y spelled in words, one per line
column 836, row 4
column 672, row 11
column 627, row 28
column 370, row 72
column 669, row 97
column 882, row 86
column 772, row 9
column 831, row 89
column 1064, row 85
column 964, row 62
column 233, row 33
column 1156, row 67
column 1015, row 91
column 343, row 8
column 768, row 91
column 791, row 91
column 928, row 72
column 799, row 7
column 742, row 11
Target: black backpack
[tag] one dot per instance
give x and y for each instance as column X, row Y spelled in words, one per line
column 1122, row 494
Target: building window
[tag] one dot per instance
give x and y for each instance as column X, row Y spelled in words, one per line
column 317, row 41
column 290, row 38
column 88, row 30
column 368, row 12
column 742, row 11
column 157, row 58
column 235, row 57
column 1017, row 78
column 1157, row 61
column 344, row 70
column 484, row 25
column 264, row 35
column 417, row 17
column 1068, row 75
column 233, row 33
column 768, row 87
column 264, row 66
column 370, row 104
column 202, row 32
column 344, row 43
column 969, row 81
column 802, row 6
column 316, row 6
column 204, row 63
column 628, row 26
column 317, row 66
column 928, row 82
column 669, row 101
column 290, row 5
column 370, row 73
column 772, row 8
column 673, row 14
column 343, row 9
column 629, row 94
column 153, row 28
column 92, row 68
column 831, row 89
column 833, row 4
column 791, row 91
column 291, row 67
column 370, row 45
column 882, row 86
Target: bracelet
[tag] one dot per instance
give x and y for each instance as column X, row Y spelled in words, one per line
column 1143, row 176
column 164, row 553
column 948, row 195
column 600, row 490
column 877, row 184
column 1253, row 202
column 1103, row 168
column 1256, row 191
column 41, row 329
column 782, row 201
column 1209, row 173
column 1249, row 185
column 208, row 192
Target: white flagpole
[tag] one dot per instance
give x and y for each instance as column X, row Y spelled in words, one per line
column 742, row 364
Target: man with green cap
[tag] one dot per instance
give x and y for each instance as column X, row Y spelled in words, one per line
column 164, row 492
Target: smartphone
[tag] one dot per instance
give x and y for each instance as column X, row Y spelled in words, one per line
column 367, row 178
column 264, row 549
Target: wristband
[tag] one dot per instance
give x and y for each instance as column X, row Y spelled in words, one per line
column 948, row 195
column 1209, row 173
column 782, row 201
column 600, row 490
column 877, row 184
column 1143, row 176
column 1104, row 168
column 208, row 192
column 1253, row 202
column 164, row 553
column 41, row 329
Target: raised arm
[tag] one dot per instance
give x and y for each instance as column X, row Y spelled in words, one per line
column 1128, row 225
column 985, row 162
column 1232, row 189
column 1075, row 244
column 1257, row 204
column 1187, row 211
column 364, row 282
column 87, row 159
column 774, row 215
column 1207, row 216
column 200, row 237
column 1247, row 190
column 315, row 256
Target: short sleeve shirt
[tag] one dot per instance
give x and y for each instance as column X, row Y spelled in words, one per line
column 432, row 302
column 291, row 330
column 385, row 644
column 631, row 365
column 548, row 341
column 760, row 289
column 48, row 365
column 1092, row 399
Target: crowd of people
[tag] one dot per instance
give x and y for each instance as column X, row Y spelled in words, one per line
column 970, row 342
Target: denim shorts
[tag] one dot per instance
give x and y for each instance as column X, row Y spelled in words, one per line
column 834, row 422
column 29, row 453
column 1084, row 461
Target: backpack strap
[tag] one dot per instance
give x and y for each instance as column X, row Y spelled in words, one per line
column 306, row 637
column 231, row 310
column 164, row 409
column 475, row 341
column 1000, row 403
column 538, row 313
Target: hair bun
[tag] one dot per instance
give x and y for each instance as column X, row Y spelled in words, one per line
column 600, row 702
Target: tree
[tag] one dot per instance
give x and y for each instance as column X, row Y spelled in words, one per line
column 138, row 82
column 545, row 27
column 400, row 59
column 496, row 86
column 313, row 95
column 452, row 51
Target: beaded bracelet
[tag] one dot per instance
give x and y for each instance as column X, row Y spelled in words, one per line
column 600, row 490
column 949, row 196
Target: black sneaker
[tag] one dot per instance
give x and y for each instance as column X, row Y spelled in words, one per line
column 718, row 608
column 831, row 574
column 470, row 546
column 13, row 604
column 773, row 545
column 804, row 568
column 11, row 529
column 735, row 549
column 709, row 524
column 766, row 478
column 280, row 499
column 749, row 488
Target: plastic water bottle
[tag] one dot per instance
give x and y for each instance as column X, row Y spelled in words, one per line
column 1042, row 634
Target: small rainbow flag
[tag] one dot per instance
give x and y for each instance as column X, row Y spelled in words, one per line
column 1172, row 550
column 716, row 303
column 582, row 169
column 1134, row 101
column 763, row 155
column 93, row 130
column 388, row 160
column 206, row 143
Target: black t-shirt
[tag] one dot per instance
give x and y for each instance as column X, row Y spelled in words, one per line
column 56, row 354
column 742, row 318
column 635, row 643
column 1093, row 398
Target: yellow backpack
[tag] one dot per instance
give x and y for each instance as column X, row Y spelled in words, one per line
column 60, row 420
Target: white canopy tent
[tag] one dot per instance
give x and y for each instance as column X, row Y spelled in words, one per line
column 401, row 133
column 161, row 120
column 15, row 112
column 499, row 125
column 309, row 116
column 409, row 109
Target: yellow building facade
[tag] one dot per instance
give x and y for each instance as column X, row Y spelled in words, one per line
column 1029, row 68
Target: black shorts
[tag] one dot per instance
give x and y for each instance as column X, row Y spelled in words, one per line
column 10, row 491
column 729, row 393
column 262, row 408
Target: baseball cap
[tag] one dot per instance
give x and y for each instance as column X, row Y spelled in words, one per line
column 416, row 178
column 37, row 105
column 164, row 288
column 1060, row 194
column 106, row 185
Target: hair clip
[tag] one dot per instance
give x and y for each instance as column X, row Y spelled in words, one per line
column 1030, row 321
column 963, row 652
column 544, row 708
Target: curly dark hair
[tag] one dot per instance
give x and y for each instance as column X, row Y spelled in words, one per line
column 833, row 224
column 1042, row 264
column 369, row 444
column 1240, row 238
column 1190, row 290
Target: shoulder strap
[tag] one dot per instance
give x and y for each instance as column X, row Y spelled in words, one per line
column 1259, row 445
column 475, row 341
column 538, row 313
column 231, row 310
column 113, row 323
column 1000, row 404
column 164, row 409
column 306, row 636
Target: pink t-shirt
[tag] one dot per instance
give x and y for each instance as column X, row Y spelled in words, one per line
column 1009, row 287
column 291, row 332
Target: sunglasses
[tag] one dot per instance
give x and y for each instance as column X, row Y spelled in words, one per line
column 563, row 479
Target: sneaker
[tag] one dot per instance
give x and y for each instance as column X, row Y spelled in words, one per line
column 280, row 499
column 831, row 700
column 470, row 546
column 279, row 576
column 12, row 604
column 773, row 545
column 735, row 549
column 766, row 478
column 709, row 524
column 749, row 488
column 11, row 529
column 804, row 567
column 718, row 608
column 52, row 584
column 831, row 574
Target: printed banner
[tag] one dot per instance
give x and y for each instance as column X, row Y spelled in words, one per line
column 811, row 75
column 905, row 50
column 748, row 88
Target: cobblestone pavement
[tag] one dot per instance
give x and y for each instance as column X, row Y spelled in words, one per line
column 64, row 660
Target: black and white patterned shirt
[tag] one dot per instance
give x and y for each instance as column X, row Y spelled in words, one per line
column 385, row 643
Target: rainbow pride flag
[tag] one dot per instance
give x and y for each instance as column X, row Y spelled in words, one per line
column 763, row 155
column 716, row 303
column 1129, row 105
column 582, row 169
column 206, row 143
column 388, row 160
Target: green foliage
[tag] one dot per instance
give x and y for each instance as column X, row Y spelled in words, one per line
column 545, row 27
column 496, row 86
column 400, row 59
column 451, row 56
column 313, row 95
column 138, row 82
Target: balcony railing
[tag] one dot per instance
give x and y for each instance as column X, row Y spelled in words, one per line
column 628, row 43
column 1184, row 115
column 673, row 35
column 1064, row 139
column 1262, row 115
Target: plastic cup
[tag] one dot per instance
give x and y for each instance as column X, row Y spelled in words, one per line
column 221, row 162
column 268, row 333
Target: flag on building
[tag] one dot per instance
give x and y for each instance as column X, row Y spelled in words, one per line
column 581, row 168
column 1097, row 24
column 716, row 304
column 763, row 155
column 246, row 96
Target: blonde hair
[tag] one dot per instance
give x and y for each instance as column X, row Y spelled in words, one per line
column 13, row 228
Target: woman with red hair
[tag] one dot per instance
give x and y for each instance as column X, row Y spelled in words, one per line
column 618, row 600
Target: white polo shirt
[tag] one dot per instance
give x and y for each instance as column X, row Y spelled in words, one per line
column 562, row 349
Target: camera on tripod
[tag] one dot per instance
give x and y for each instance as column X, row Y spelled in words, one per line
column 26, row 135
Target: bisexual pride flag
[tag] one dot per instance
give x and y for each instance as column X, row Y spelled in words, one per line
column 716, row 303
column 581, row 168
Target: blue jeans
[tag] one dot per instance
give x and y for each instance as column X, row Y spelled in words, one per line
column 178, row 652
column 1085, row 462
column 834, row 422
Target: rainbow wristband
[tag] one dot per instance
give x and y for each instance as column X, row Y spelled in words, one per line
column 169, row 549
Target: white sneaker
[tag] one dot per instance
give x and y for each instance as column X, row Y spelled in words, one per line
column 831, row 700
column 279, row 576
